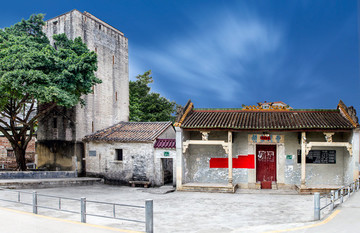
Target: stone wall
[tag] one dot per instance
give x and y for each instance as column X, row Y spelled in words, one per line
column 137, row 163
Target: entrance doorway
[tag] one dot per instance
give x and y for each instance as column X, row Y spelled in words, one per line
column 266, row 165
column 167, row 165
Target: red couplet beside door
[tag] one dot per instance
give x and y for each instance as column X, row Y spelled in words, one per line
column 265, row 164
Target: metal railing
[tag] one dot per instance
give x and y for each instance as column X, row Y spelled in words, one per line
column 340, row 195
column 149, row 223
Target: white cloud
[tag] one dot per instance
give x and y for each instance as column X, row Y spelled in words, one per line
column 213, row 58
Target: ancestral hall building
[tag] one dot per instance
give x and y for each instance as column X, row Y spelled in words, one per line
column 273, row 147
column 60, row 133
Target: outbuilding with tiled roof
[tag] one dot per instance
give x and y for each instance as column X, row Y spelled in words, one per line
column 132, row 151
column 272, row 147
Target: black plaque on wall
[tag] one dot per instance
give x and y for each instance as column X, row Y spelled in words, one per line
column 319, row 156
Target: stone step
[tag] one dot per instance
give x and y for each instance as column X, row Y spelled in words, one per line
column 209, row 188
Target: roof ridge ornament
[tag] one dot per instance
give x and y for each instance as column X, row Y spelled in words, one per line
column 187, row 110
column 349, row 113
column 269, row 108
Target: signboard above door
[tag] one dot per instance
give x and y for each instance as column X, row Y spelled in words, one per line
column 266, row 138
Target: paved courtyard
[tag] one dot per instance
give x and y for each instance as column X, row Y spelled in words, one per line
column 257, row 211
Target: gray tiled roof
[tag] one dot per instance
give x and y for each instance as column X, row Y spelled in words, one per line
column 130, row 132
column 270, row 120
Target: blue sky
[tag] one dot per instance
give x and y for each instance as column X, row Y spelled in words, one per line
column 224, row 54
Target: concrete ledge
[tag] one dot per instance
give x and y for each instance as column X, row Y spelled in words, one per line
column 208, row 187
column 311, row 190
column 37, row 174
column 47, row 183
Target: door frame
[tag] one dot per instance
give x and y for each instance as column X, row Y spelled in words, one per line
column 276, row 159
column 162, row 170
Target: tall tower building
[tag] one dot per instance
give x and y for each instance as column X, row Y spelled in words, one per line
column 60, row 133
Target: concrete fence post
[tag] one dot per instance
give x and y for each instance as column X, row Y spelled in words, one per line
column 35, row 205
column 336, row 195
column 357, row 184
column 83, row 209
column 316, row 206
column 342, row 195
column 149, row 216
column 348, row 189
column 332, row 200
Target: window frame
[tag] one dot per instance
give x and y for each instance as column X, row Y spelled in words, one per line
column 119, row 151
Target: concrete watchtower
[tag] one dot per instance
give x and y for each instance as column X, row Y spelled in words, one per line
column 60, row 133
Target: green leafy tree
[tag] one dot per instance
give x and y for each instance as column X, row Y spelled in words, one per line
column 146, row 105
column 35, row 77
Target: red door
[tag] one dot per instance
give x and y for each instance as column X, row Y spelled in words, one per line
column 265, row 164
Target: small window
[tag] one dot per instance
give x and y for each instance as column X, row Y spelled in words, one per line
column 10, row 153
column 55, row 123
column 119, row 154
column 99, row 27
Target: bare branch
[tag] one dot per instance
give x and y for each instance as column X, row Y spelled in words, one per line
column 5, row 123
column 31, row 133
column 22, row 101
column 7, row 135
column 43, row 112
column 30, row 110
column 4, row 115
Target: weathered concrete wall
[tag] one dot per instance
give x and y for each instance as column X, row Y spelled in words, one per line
column 316, row 174
column 169, row 133
column 59, row 124
column 159, row 170
column 109, row 102
column 197, row 168
column 351, row 169
column 137, row 163
column 60, row 155
column 197, row 160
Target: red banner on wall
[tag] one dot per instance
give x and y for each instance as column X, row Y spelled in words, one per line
column 242, row 161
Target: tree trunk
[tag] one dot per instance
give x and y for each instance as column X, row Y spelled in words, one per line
column 20, row 158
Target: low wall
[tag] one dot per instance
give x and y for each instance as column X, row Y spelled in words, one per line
column 37, row 174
